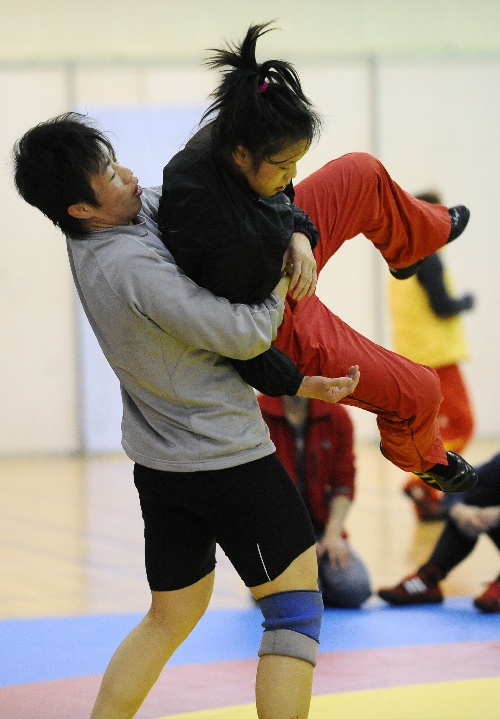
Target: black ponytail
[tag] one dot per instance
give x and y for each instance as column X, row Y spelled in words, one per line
column 259, row 106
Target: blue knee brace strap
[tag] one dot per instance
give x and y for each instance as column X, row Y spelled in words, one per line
column 292, row 623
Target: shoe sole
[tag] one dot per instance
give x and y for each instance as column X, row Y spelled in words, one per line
column 403, row 273
column 455, row 484
column 465, row 479
column 406, row 601
column 487, row 608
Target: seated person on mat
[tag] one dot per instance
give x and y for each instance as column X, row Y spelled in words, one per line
column 471, row 514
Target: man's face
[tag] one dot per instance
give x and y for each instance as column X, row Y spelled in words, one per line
column 275, row 173
column 119, row 194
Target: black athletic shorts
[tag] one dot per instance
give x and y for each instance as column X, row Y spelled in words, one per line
column 253, row 511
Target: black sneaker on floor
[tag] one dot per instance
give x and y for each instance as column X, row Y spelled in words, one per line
column 464, row 475
column 459, row 215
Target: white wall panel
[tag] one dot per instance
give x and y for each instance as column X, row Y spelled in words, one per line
column 349, row 284
column 341, row 93
column 179, row 85
column 38, row 377
column 169, row 29
column 108, row 85
column 144, row 138
column 439, row 128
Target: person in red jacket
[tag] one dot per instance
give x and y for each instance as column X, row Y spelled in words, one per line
column 314, row 441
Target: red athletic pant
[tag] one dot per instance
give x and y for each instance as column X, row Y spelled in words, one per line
column 455, row 420
column 351, row 195
column 456, row 417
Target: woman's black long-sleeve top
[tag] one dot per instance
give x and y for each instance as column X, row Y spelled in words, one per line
column 231, row 240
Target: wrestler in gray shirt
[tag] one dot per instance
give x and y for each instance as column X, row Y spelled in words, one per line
column 185, row 408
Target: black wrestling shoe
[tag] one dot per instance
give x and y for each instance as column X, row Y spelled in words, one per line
column 459, row 216
column 404, row 272
column 464, row 475
column 459, row 219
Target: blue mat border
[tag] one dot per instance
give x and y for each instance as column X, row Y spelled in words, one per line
column 34, row 650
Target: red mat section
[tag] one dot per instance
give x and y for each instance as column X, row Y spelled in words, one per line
column 212, row 685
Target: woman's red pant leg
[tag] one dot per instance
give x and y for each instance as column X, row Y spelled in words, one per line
column 355, row 194
column 405, row 396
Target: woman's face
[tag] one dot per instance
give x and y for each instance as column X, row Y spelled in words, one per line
column 275, row 173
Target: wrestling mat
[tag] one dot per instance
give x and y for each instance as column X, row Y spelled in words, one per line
column 381, row 662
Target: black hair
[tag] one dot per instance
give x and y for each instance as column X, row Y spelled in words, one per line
column 259, row 106
column 53, row 163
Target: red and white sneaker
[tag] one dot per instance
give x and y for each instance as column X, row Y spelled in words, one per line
column 489, row 600
column 419, row 588
column 427, row 501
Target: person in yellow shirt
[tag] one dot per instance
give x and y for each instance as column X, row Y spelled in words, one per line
column 427, row 328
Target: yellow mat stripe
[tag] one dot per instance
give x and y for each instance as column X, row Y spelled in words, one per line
column 473, row 699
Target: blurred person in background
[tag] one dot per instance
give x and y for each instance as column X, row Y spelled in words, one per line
column 315, row 442
column 427, row 328
column 469, row 515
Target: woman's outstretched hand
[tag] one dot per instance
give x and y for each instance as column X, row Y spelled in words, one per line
column 330, row 389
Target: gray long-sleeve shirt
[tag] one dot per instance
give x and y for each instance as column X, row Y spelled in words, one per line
column 184, row 406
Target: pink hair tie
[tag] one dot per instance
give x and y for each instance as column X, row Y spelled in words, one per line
column 263, row 87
